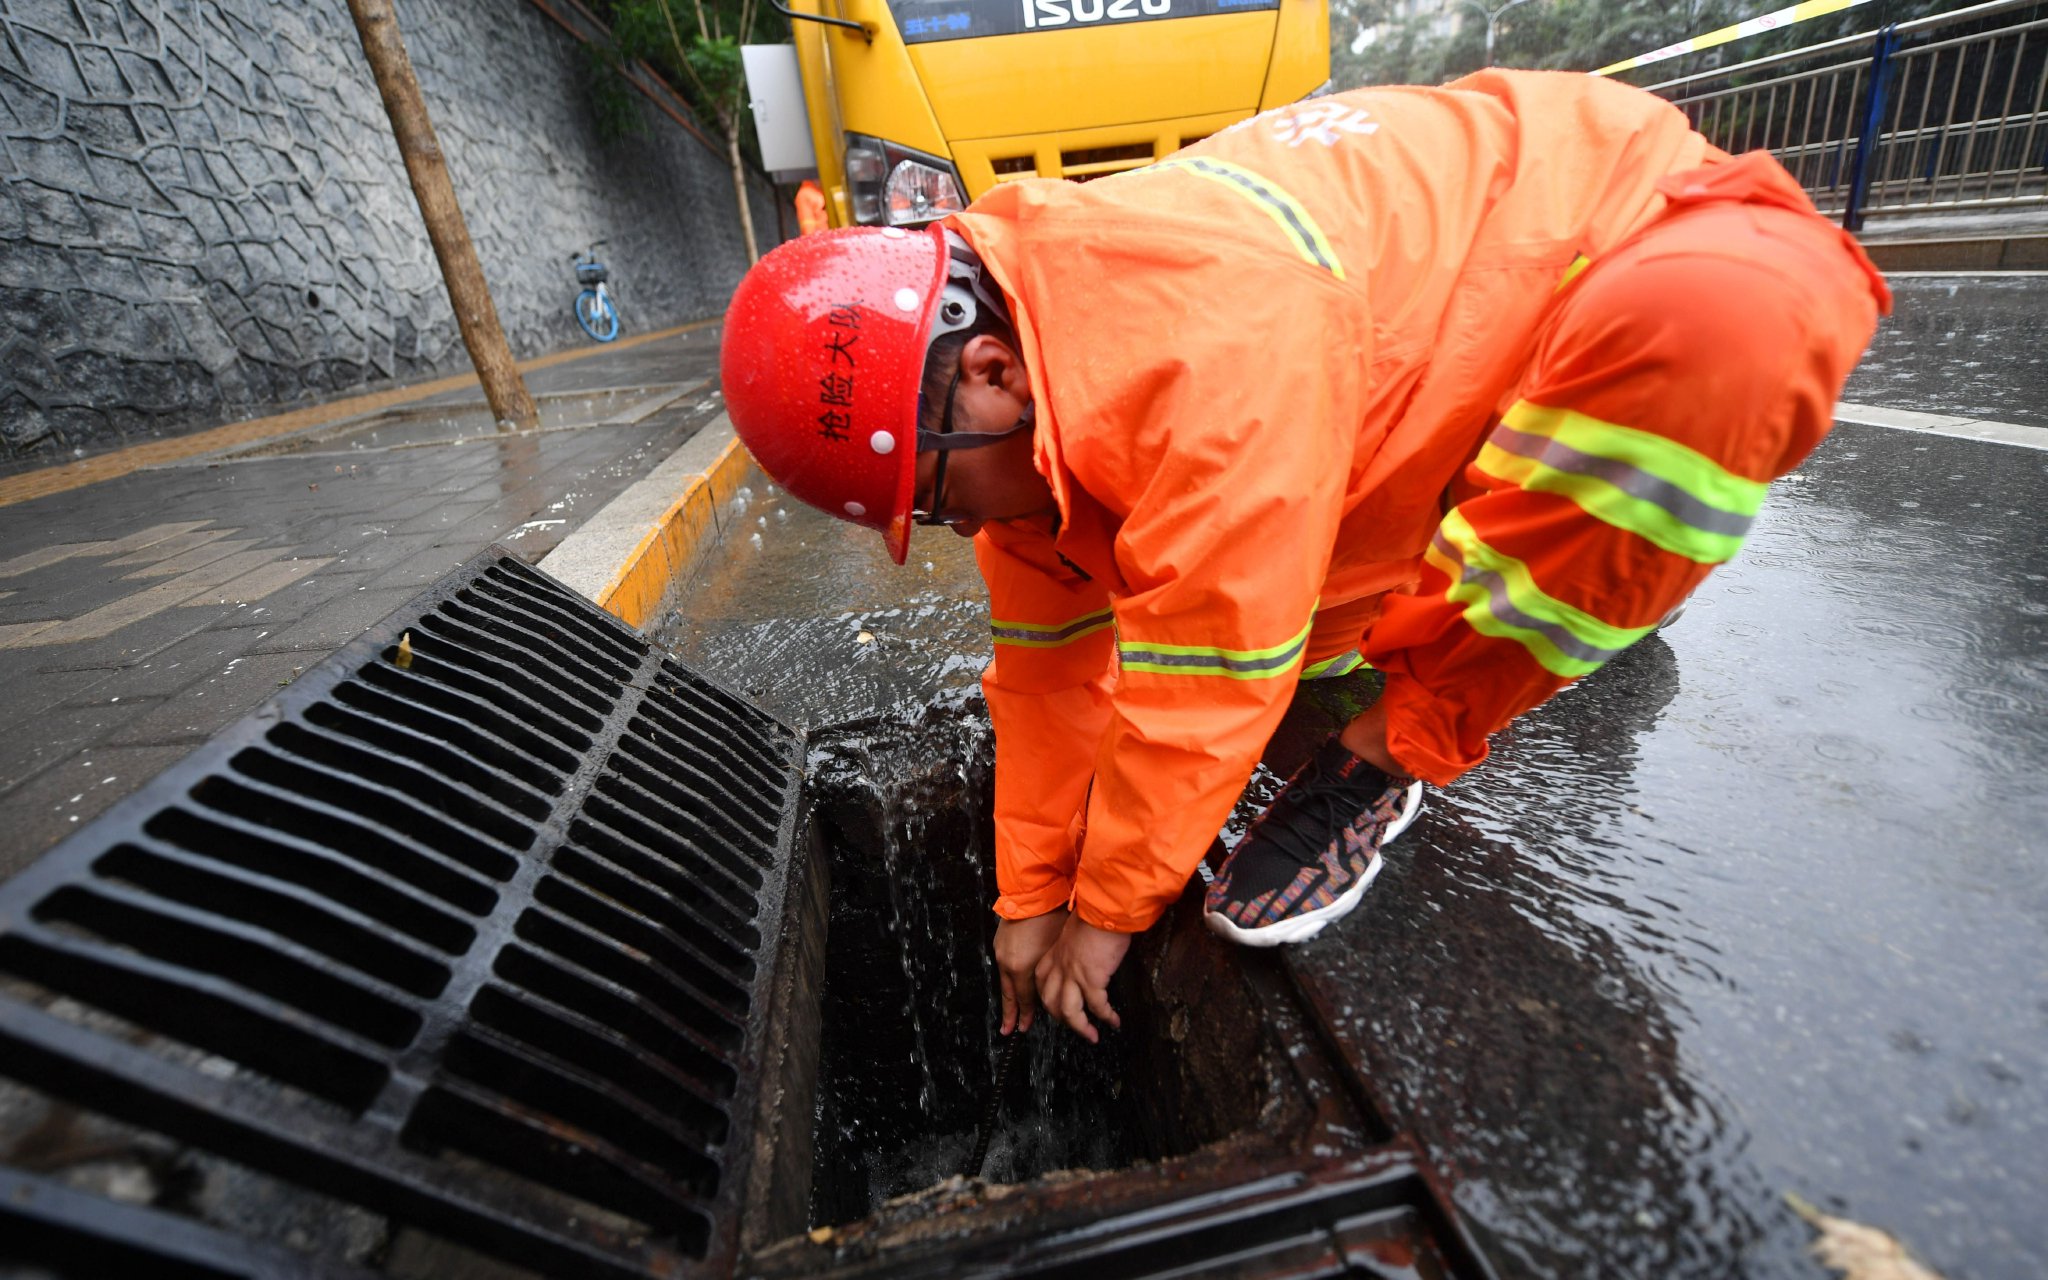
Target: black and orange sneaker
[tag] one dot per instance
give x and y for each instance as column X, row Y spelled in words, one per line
column 1311, row 854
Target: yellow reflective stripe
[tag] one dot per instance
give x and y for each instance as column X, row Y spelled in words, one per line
column 1571, row 272
column 1035, row 635
column 1286, row 212
column 1660, row 490
column 1209, row 660
column 1501, row 599
column 1330, row 668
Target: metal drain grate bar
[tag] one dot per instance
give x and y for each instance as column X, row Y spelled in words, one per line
column 468, row 931
column 1382, row 1220
column 47, row 1224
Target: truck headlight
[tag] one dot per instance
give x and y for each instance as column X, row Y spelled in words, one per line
column 895, row 186
column 918, row 192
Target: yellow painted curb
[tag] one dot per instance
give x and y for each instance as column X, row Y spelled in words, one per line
column 640, row 588
column 121, row 462
column 633, row 556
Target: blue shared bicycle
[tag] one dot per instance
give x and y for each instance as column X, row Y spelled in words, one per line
column 594, row 309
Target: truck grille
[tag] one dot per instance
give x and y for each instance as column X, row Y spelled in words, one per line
column 470, row 925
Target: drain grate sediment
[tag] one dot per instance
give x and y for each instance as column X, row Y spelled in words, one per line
column 469, row 934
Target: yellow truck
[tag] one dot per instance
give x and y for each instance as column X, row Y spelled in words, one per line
column 912, row 108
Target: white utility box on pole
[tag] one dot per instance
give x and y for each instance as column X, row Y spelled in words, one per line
column 776, row 90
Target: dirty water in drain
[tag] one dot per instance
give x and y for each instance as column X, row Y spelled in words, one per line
column 910, row 1006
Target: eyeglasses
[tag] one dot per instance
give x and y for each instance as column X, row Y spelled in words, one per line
column 944, row 441
column 937, row 516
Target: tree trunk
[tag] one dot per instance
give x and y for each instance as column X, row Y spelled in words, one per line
column 428, row 170
column 739, row 186
column 728, row 120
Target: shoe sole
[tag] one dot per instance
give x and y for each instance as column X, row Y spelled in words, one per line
column 1310, row 923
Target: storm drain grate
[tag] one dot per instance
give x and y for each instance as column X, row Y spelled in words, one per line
column 465, row 926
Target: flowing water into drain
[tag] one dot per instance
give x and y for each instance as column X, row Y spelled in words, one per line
column 909, row 1012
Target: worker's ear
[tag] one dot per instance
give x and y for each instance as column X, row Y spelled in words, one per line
column 989, row 360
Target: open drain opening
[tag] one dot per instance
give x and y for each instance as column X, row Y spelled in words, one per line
column 911, row 999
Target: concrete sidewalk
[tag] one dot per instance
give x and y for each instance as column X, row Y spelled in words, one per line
column 173, row 590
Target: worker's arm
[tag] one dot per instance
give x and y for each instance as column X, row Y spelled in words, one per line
column 1048, row 698
column 1223, row 553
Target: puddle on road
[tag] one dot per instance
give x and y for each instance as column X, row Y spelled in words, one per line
column 1760, row 907
column 809, row 616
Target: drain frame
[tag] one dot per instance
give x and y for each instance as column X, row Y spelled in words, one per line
column 610, row 698
column 1320, row 1153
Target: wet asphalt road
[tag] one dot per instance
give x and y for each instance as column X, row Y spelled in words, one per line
column 1760, row 908
column 1976, row 347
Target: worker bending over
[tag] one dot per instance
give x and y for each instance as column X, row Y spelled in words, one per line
column 1473, row 384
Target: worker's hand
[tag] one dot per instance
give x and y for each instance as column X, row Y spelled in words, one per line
column 1074, row 976
column 1019, row 946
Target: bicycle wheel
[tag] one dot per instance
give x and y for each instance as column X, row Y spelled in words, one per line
column 596, row 315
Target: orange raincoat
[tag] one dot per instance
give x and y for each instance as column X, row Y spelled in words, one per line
column 1261, row 369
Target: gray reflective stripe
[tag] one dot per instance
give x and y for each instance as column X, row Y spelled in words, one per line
column 1308, row 238
column 1215, row 661
column 1633, row 481
column 1050, row 635
column 1504, row 610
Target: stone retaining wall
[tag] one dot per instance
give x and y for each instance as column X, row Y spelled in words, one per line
column 203, row 214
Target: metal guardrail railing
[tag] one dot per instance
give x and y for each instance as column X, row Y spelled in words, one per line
column 1942, row 113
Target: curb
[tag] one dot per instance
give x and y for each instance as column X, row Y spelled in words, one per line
column 1985, row 253
column 631, row 557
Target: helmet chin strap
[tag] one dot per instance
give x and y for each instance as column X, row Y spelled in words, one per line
column 947, row 441
column 965, row 296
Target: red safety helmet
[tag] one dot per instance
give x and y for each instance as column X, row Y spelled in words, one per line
column 823, row 355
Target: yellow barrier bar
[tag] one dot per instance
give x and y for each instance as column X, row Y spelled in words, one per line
column 1749, row 27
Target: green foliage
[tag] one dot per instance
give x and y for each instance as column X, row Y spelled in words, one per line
column 695, row 46
column 716, row 63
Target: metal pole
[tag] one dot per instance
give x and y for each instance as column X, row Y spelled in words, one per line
column 475, row 314
column 1492, row 17
column 1873, row 122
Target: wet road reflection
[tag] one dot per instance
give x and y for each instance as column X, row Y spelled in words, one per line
column 781, row 611
column 1965, row 345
